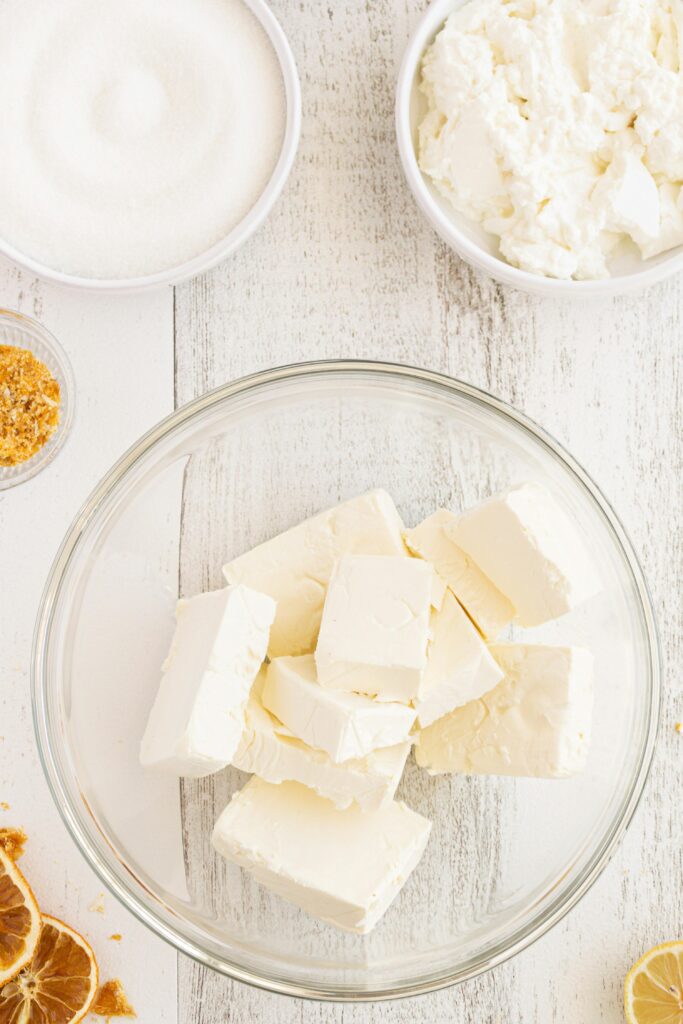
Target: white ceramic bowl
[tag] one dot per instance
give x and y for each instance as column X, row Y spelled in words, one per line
column 244, row 229
column 469, row 240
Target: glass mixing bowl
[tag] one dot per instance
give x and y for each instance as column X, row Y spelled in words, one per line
column 506, row 858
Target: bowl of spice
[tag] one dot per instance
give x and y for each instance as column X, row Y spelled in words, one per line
column 36, row 397
column 143, row 143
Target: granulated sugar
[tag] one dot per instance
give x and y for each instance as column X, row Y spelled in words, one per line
column 135, row 133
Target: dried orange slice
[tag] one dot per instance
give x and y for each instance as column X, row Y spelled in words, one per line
column 653, row 991
column 58, row 986
column 19, row 920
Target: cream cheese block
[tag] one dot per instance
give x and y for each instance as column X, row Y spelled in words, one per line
column 375, row 626
column 490, row 610
column 344, row 725
column 536, row 722
column 219, row 644
column 344, row 867
column 295, row 567
column 268, row 749
column 530, row 549
column 460, row 667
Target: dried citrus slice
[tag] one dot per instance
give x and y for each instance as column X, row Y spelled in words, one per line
column 19, row 920
column 58, row 985
column 653, row 991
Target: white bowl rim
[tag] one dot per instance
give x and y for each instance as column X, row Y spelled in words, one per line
column 426, row 28
column 243, row 230
column 557, row 907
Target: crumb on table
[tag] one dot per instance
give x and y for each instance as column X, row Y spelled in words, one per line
column 12, row 841
column 111, row 1001
column 97, row 905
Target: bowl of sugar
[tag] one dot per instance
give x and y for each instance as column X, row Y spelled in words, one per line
column 143, row 143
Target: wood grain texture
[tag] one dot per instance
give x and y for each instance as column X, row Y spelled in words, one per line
column 105, row 338
column 346, row 266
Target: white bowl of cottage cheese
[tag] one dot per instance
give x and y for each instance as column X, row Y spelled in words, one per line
column 543, row 139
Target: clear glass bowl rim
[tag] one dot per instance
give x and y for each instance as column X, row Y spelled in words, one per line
column 47, row 732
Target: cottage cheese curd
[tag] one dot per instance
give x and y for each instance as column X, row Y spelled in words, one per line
column 558, row 126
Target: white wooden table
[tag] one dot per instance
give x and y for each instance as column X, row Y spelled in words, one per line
column 346, row 266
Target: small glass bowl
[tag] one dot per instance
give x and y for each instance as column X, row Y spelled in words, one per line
column 507, row 857
column 24, row 332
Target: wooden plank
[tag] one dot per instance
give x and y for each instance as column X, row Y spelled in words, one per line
column 122, row 361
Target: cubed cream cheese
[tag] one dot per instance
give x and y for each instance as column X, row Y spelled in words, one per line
column 530, row 549
column 344, row 725
column 536, row 722
column 295, row 567
column 219, row 644
column 344, row 867
column 270, row 750
column 375, row 627
column 460, row 667
column 484, row 603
